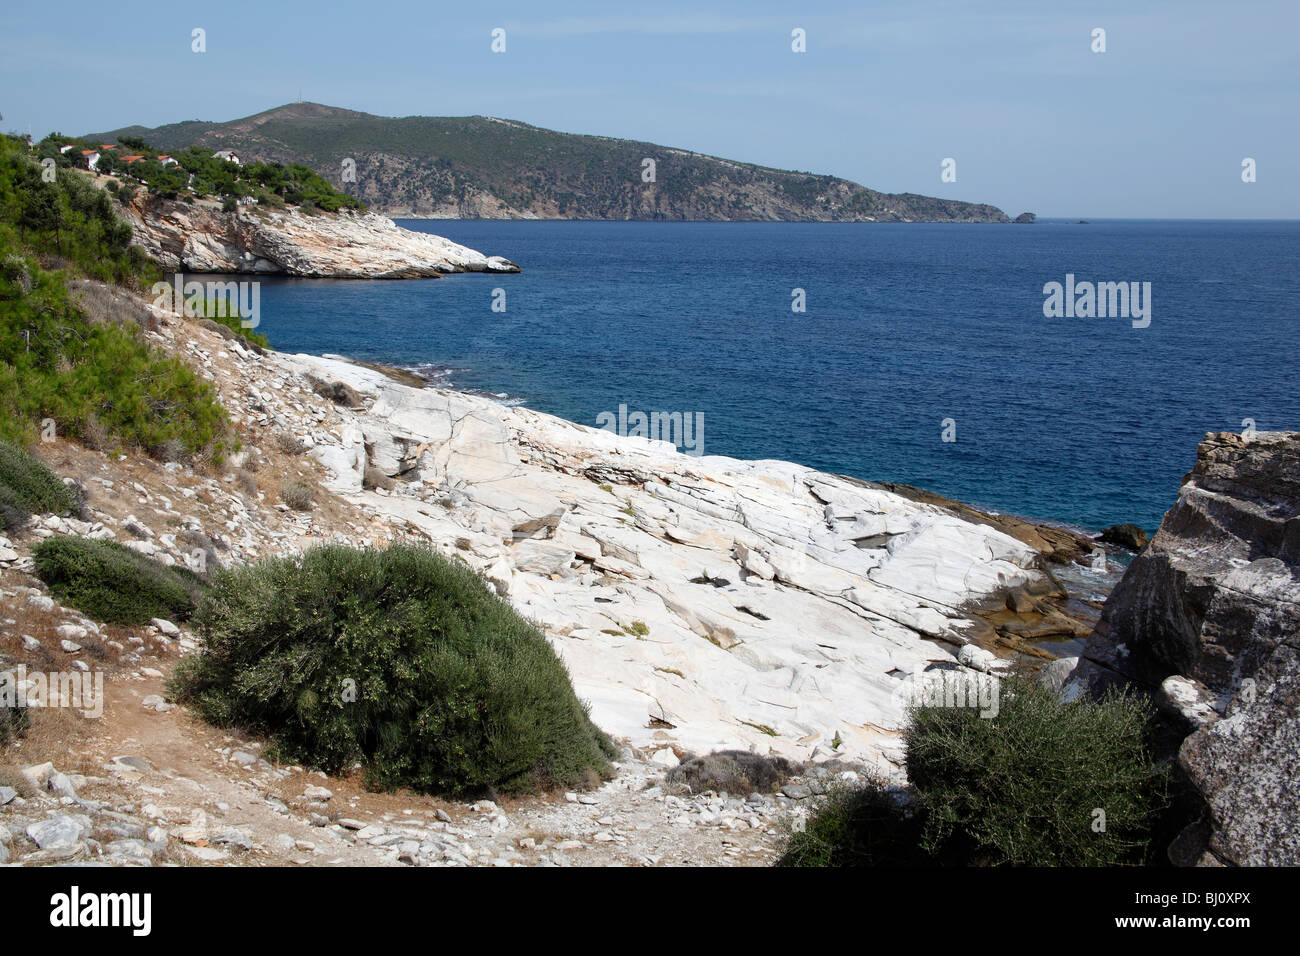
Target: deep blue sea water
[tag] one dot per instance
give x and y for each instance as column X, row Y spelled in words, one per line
column 1084, row 420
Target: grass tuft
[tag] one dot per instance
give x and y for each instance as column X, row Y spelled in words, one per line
column 735, row 771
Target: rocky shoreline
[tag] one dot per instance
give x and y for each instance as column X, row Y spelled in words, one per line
column 199, row 237
column 732, row 569
column 700, row 604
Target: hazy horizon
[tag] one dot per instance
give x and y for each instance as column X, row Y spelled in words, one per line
column 1156, row 127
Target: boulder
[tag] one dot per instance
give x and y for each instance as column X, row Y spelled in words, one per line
column 59, row 832
column 38, row 775
column 1125, row 536
column 542, row 557
column 346, row 466
column 165, row 627
column 1019, row 602
column 1207, row 619
column 1246, row 766
column 1054, row 674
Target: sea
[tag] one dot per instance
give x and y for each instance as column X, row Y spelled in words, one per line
column 938, row 355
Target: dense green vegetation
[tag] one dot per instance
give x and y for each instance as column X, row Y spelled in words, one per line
column 419, row 162
column 27, row 487
column 399, row 659
column 67, row 222
column 199, row 172
column 1042, row 783
column 114, row 584
column 99, row 381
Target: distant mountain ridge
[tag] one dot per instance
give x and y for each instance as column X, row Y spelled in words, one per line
column 479, row 167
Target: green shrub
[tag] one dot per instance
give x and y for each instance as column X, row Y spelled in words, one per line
column 27, row 487
column 114, row 584
column 858, row 826
column 69, row 218
column 399, row 659
column 95, row 378
column 1024, row 787
column 1020, row 788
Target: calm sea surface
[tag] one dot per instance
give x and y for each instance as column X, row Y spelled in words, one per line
column 1089, row 421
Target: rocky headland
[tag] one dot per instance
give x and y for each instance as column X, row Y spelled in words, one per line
column 197, row 236
column 484, row 167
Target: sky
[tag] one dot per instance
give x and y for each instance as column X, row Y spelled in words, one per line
column 1157, row 126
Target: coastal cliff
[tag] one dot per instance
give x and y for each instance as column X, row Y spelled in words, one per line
column 198, row 236
column 1207, row 619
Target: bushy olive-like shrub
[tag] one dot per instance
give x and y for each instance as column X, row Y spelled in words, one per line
column 114, row 584
column 27, row 487
column 1043, row 782
column 399, row 659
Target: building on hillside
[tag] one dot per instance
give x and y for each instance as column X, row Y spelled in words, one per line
column 92, row 159
column 228, row 155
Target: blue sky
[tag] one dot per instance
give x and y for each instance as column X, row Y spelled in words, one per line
column 1157, row 126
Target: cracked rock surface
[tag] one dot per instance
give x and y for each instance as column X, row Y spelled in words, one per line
column 703, row 602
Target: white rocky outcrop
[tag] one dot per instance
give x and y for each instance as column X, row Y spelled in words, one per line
column 199, row 237
column 699, row 602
